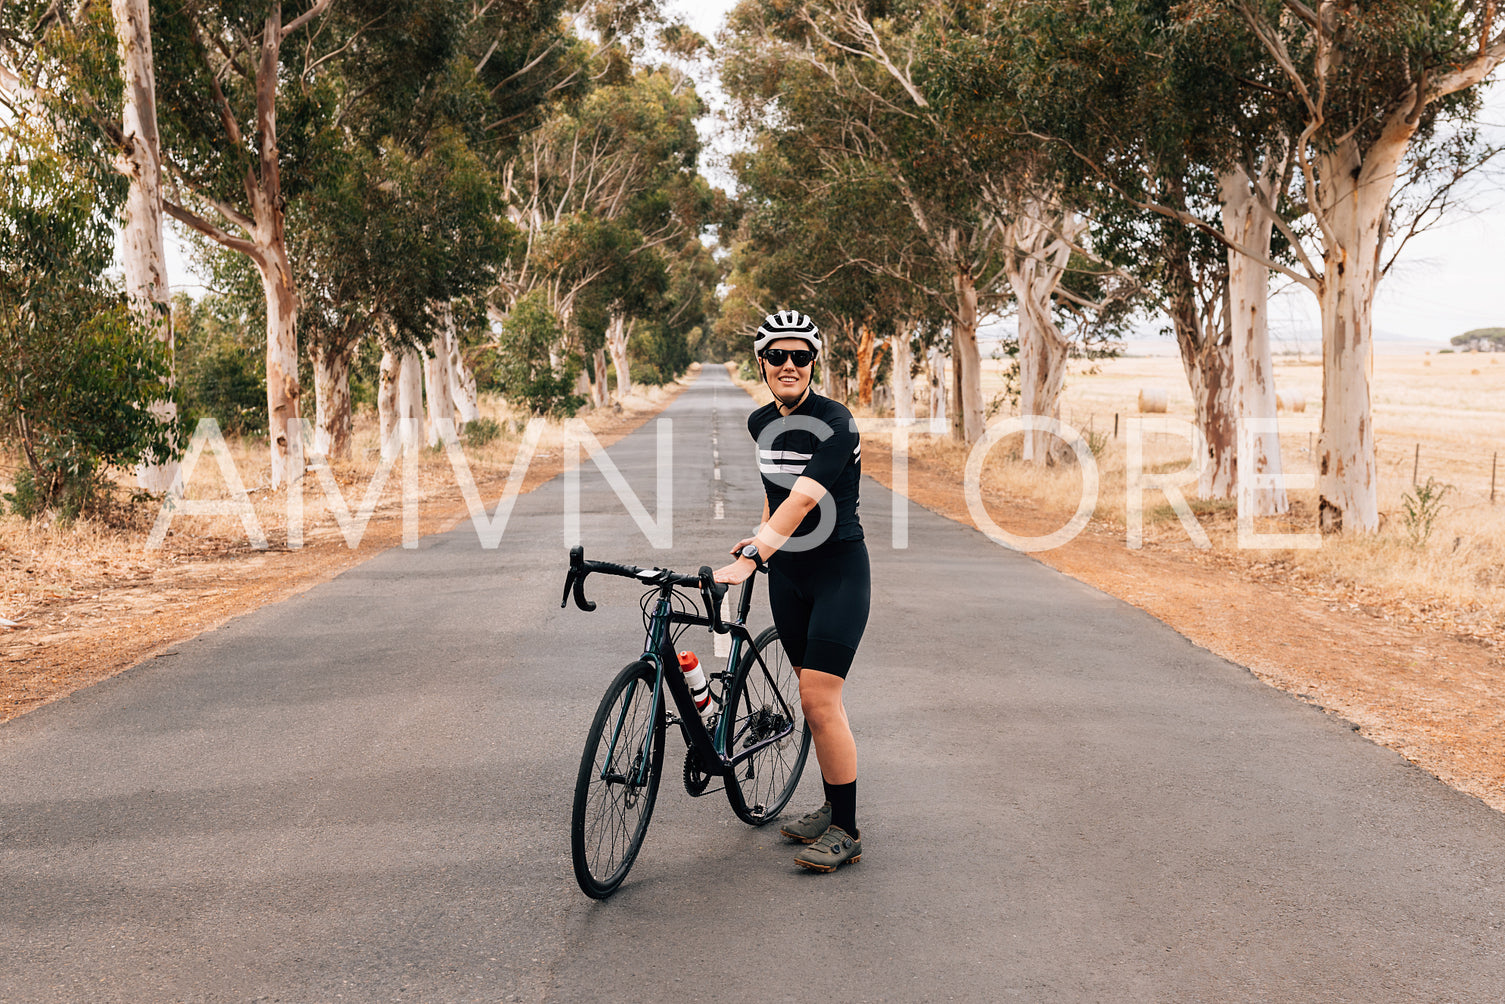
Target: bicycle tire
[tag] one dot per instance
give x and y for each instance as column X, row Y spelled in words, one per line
column 610, row 815
column 761, row 705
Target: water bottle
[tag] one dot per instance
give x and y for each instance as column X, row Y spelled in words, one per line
column 699, row 689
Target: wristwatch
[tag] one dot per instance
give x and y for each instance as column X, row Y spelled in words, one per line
column 751, row 551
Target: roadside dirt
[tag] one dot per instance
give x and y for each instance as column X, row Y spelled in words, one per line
column 1435, row 696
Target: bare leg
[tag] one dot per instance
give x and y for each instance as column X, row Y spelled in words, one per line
column 835, row 749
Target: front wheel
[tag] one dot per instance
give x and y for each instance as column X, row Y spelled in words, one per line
column 618, row 781
column 764, row 702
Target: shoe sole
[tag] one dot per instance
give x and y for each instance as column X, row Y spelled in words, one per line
column 803, row 840
column 827, row 869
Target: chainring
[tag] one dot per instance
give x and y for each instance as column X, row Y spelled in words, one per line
column 696, row 780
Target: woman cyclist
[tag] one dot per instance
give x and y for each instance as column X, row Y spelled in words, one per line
column 819, row 587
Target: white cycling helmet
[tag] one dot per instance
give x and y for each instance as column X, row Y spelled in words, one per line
column 786, row 324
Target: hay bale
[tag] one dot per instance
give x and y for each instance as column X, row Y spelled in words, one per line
column 1153, row 400
column 1290, row 399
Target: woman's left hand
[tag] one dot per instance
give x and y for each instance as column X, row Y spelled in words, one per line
column 736, row 573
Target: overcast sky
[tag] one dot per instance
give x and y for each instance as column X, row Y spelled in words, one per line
column 1447, row 281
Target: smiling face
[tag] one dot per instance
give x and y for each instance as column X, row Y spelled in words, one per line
column 788, row 382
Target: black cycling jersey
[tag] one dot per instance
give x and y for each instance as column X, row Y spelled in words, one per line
column 819, row 441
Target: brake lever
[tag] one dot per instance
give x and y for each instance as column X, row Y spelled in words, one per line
column 576, row 580
column 712, row 592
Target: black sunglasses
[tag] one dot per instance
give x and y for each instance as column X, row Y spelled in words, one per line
column 801, row 357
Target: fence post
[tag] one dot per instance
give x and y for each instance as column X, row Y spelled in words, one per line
column 1494, row 465
column 1416, row 465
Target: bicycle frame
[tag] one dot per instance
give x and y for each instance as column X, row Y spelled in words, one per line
column 659, row 652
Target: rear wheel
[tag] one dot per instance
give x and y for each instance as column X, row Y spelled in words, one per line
column 764, row 702
column 618, row 781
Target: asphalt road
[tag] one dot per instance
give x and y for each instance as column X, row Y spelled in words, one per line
column 363, row 794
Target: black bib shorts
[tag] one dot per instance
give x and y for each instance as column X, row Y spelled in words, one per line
column 820, row 602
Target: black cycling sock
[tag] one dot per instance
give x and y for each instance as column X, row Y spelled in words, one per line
column 843, row 799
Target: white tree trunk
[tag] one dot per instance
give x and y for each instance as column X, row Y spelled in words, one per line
column 332, row 402
column 1037, row 257
column 399, row 401
column 1248, row 225
column 388, row 403
column 1354, row 192
column 601, row 385
column 143, row 254
column 618, row 331
column 1207, row 358
column 901, row 379
column 462, row 383
column 1198, row 307
column 283, row 390
column 966, row 422
column 409, row 397
column 935, row 371
column 437, row 382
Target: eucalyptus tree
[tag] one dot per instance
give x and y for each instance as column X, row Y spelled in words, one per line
column 143, row 251
column 1371, row 82
column 607, row 180
column 1150, row 122
column 824, row 76
column 229, row 127
column 385, row 247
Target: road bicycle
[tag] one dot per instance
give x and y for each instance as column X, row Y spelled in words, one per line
column 755, row 740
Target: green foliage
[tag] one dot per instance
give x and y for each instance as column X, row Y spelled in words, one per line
column 76, row 369
column 1489, row 336
column 481, row 431
column 526, row 374
column 659, row 354
column 1423, row 505
column 219, row 364
column 1097, row 442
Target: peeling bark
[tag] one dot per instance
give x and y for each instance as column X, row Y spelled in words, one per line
column 387, row 403
column 966, row 420
column 935, row 370
column 1037, row 254
column 869, row 357
column 1207, row 359
column 1247, row 225
column 332, row 425
column 409, row 397
column 901, row 379
column 440, row 413
column 283, row 390
column 399, row 401
column 142, row 249
column 600, row 388
column 1354, row 192
column 462, row 383
column 618, row 331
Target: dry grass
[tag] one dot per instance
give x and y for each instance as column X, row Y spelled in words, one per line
column 1447, row 409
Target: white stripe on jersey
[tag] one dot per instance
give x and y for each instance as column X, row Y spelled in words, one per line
column 781, row 468
column 783, row 455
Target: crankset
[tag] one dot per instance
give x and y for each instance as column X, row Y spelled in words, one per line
column 696, row 780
